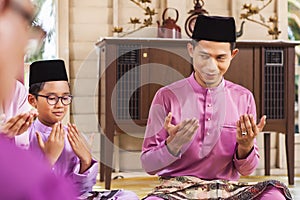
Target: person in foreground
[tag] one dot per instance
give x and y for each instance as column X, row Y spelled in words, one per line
column 22, row 174
column 64, row 147
column 15, row 22
column 201, row 131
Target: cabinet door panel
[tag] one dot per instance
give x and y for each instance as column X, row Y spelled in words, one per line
column 241, row 70
column 164, row 66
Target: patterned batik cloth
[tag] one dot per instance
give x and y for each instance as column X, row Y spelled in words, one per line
column 187, row 187
column 95, row 195
column 110, row 195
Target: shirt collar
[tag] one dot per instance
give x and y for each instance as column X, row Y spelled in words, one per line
column 198, row 88
column 41, row 127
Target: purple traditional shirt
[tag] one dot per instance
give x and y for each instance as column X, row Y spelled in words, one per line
column 23, row 176
column 68, row 164
column 17, row 105
column 211, row 154
column 19, row 102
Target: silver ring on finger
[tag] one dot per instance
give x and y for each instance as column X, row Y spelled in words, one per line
column 244, row 133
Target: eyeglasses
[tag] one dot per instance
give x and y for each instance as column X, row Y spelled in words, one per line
column 20, row 10
column 53, row 99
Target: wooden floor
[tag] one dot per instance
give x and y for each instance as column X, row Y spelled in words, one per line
column 142, row 185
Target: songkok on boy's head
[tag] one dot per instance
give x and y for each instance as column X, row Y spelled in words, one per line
column 47, row 70
column 214, row 28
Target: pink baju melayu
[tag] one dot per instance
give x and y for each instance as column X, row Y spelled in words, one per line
column 17, row 105
column 22, row 174
column 68, row 164
column 211, row 154
column 214, row 144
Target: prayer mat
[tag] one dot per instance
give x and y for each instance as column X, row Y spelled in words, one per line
column 192, row 188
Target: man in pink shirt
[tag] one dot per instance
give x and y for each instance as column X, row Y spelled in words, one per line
column 207, row 139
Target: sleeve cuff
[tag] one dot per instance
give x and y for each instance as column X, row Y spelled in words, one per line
column 236, row 154
column 88, row 173
column 162, row 157
column 248, row 164
column 178, row 155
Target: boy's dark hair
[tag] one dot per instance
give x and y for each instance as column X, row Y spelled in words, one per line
column 232, row 44
column 35, row 88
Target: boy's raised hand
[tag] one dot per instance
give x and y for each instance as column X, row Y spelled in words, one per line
column 55, row 143
column 18, row 124
column 80, row 147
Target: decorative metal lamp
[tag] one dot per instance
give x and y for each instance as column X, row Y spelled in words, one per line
column 190, row 21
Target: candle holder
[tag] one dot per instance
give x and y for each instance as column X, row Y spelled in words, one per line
column 190, row 21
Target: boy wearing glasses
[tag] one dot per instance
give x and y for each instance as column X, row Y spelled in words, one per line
column 62, row 146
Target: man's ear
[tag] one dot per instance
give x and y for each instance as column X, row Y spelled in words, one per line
column 32, row 99
column 190, row 49
column 234, row 53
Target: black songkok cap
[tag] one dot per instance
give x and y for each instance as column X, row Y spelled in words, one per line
column 47, row 70
column 214, row 28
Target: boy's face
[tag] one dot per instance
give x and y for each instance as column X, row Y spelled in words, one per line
column 50, row 114
column 211, row 60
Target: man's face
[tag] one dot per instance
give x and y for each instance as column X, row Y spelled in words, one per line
column 15, row 22
column 14, row 32
column 19, row 14
column 211, row 60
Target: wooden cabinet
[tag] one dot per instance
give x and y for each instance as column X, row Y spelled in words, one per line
column 131, row 71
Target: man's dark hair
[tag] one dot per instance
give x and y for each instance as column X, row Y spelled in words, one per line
column 232, row 44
